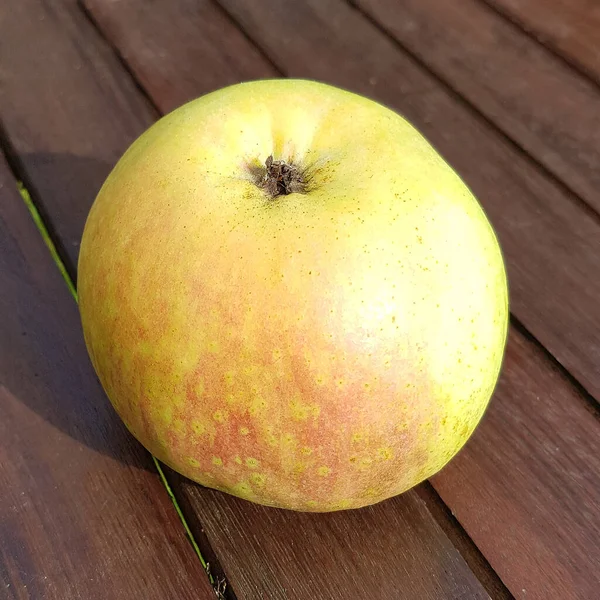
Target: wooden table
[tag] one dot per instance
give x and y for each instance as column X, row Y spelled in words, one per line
column 508, row 91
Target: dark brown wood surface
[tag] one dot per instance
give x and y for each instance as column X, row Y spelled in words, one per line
column 536, row 218
column 526, row 487
column 83, row 513
column 209, row 51
column 545, row 106
column 571, row 27
column 420, row 561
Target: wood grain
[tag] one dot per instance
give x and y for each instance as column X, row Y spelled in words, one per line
column 549, row 109
column 208, row 50
column 552, row 251
column 64, row 95
column 83, row 513
column 570, row 27
column 415, row 556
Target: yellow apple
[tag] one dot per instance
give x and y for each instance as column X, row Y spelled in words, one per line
column 289, row 296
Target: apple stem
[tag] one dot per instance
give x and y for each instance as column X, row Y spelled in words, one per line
column 281, row 179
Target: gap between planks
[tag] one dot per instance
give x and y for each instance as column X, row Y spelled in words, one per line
column 461, row 540
column 546, row 40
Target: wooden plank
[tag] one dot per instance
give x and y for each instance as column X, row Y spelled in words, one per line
column 208, row 50
column 83, row 513
column 422, row 562
column 548, row 108
column 392, row 550
column 528, row 489
column 537, row 221
column 570, row 27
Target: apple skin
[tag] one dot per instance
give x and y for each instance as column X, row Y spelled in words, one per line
column 316, row 351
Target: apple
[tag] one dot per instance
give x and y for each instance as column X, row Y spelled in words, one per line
column 289, row 296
